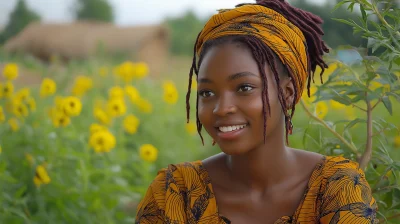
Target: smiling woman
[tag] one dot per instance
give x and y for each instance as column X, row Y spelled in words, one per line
column 253, row 63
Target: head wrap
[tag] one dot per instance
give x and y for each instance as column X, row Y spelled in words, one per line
column 272, row 28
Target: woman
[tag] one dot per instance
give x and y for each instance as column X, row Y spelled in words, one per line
column 254, row 61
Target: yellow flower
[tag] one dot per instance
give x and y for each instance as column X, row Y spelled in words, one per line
column 148, row 153
column 397, row 141
column 48, row 87
column 116, row 92
column 6, row 90
column 132, row 93
column 22, row 94
column 13, row 122
column 336, row 105
column 2, row 115
column 338, row 146
column 102, row 116
column 58, row 102
column 126, row 71
column 103, row 71
column 60, row 119
column 31, row 103
column 72, row 106
column 131, row 124
column 144, row 105
column 350, row 113
column 96, row 128
column 41, row 177
column 321, row 109
column 81, row 85
column 102, row 141
column 20, row 109
column 191, row 128
column 116, row 107
column 10, row 71
column 312, row 98
column 29, row 158
column 141, row 70
column 170, row 92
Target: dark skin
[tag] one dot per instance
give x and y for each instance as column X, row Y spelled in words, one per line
column 253, row 181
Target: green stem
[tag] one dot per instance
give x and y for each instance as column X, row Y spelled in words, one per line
column 366, row 157
column 340, row 137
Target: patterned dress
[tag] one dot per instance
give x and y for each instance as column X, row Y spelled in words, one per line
column 337, row 192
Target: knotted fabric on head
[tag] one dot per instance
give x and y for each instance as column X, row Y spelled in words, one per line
column 279, row 34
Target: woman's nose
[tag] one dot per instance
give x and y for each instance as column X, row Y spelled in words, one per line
column 224, row 106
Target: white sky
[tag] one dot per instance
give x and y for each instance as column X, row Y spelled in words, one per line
column 128, row 12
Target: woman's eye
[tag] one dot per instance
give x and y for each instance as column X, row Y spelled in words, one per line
column 245, row 88
column 206, row 93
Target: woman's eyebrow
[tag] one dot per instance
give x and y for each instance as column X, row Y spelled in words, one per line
column 230, row 78
column 241, row 74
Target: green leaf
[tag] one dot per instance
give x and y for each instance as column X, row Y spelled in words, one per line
column 338, row 5
column 364, row 14
column 351, row 7
column 395, row 95
column 344, row 21
column 354, row 122
column 388, row 104
column 397, row 61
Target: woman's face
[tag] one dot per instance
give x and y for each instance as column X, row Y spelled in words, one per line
column 230, row 104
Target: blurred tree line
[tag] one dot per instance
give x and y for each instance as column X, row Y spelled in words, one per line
column 22, row 15
column 184, row 29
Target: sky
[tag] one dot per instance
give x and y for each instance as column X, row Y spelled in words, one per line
column 128, row 12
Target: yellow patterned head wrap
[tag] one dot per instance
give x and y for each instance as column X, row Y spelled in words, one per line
column 279, row 34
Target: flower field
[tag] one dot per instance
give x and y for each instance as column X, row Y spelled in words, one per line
column 83, row 144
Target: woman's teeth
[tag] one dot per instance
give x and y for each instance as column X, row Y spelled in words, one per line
column 231, row 128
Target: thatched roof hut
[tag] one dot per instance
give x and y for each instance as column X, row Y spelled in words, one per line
column 83, row 39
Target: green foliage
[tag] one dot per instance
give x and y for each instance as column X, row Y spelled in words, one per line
column 96, row 10
column 371, row 86
column 184, row 31
column 20, row 17
column 336, row 34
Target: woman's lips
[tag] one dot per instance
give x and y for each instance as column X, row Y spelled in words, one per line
column 231, row 135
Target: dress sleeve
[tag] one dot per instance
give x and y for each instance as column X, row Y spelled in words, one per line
column 150, row 209
column 163, row 202
column 347, row 197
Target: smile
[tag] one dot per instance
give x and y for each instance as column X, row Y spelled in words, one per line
column 226, row 129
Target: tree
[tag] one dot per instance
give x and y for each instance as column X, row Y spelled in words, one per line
column 97, row 10
column 184, row 31
column 19, row 19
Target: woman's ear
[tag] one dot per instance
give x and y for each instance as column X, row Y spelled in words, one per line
column 288, row 91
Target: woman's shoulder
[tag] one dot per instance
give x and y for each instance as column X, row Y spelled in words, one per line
column 182, row 175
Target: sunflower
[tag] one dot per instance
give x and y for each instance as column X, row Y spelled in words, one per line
column 20, row 109
column 10, row 71
column 116, row 92
column 41, row 177
column 116, row 107
column 144, row 105
column 22, row 94
column 72, row 106
column 102, row 141
column 170, row 93
column 336, row 105
column 6, row 90
column 96, row 128
column 2, row 115
column 132, row 93
column 48, row 87
column 102, row 116
column 31, row 103
column 81, row 85
column 321, row 109
column 131, row 124
column 60, row 119
column 148, row 153
column 14, row 124
column 191, row 128
column 141, row 70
